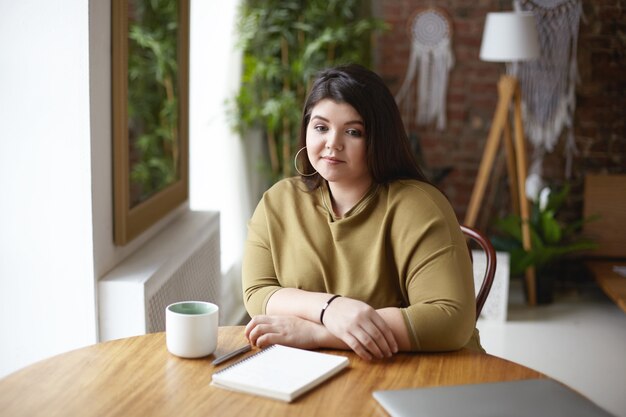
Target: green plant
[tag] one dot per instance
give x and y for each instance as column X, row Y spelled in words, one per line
column 551, row 239
column 285, row 42
column 152, row 96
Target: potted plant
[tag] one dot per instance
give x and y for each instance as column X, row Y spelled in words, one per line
column 552, row 240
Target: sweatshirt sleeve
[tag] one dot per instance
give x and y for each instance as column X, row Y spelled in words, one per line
column 439, row 283
column 441, row 314
column 259, row 279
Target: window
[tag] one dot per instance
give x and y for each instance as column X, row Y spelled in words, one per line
column 150, row 46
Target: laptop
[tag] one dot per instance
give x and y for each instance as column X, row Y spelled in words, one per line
column 529, row 397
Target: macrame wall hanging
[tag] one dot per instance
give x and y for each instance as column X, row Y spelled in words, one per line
column 548, row 84
column 430, row 31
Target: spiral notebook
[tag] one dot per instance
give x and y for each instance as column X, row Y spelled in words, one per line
column 279, row 372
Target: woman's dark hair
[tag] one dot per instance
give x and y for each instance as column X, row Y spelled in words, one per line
column 389, row 154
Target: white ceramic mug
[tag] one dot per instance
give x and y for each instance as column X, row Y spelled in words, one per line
column 191, row 328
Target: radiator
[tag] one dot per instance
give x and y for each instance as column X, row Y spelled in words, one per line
column 180, row 263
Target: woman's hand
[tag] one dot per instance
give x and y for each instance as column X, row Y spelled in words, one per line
column 361, row 328
column 292, row 331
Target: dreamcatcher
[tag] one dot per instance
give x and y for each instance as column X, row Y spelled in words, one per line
column 430, row 31
column 548, row 83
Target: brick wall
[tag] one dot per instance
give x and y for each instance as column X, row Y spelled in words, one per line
column 600, row 131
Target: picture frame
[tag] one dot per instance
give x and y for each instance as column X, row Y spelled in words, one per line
column 141, row 199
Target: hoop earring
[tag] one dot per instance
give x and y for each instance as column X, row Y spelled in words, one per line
column 295, row 164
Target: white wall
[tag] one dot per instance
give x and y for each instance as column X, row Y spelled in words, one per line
column 46, row 253
column 216, row 152
column 56, row 218
column 222, row 177
column 55, row 172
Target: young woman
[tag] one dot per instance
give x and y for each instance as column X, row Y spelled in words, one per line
column 360, row 252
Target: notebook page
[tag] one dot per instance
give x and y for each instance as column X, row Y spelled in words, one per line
column 280, row 370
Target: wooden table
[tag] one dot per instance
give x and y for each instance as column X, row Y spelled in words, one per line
column 139, row 377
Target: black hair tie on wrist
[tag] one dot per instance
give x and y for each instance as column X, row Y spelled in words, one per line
column 326, row 306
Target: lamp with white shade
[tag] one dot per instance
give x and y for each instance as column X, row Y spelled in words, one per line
column 508, row 37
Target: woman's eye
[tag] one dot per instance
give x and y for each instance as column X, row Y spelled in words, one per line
column 354, row 132
column 320, row 128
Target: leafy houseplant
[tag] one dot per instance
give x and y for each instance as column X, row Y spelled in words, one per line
column 551, row 239
column 285, row 42
column 152, row 96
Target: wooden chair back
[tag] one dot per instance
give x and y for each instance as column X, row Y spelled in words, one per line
column 490, row 270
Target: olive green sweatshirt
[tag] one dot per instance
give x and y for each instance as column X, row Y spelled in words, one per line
column 399, row 246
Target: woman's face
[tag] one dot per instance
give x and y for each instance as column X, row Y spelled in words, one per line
column 335, row 140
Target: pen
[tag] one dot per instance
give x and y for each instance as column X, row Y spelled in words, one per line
column 232, row 354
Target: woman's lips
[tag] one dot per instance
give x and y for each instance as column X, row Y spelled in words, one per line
column 332, row 160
